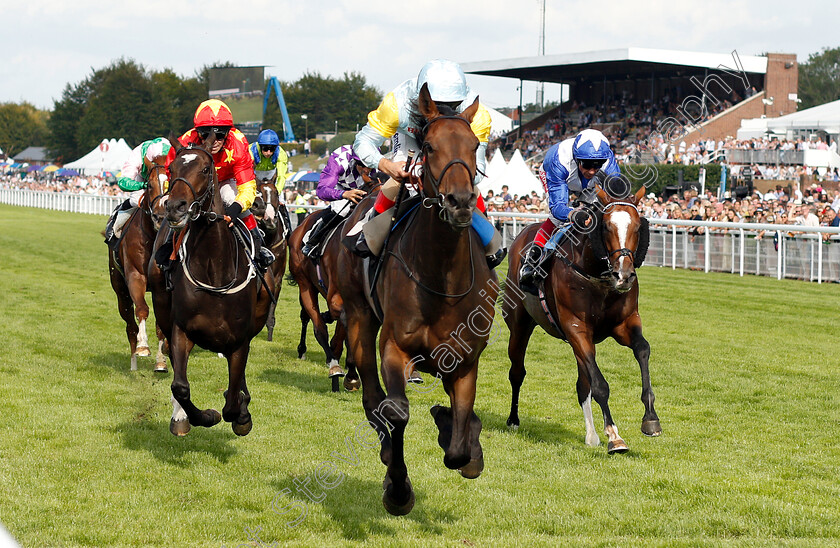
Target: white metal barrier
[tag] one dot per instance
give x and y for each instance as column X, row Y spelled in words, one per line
column 782, row 251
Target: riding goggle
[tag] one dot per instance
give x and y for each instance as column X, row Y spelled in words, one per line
column 591, row 164
column 268, row 148
column 204, row 132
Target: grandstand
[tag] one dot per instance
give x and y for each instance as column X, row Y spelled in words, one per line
column 629, row 90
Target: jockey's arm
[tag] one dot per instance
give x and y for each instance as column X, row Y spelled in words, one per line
column 382, row 124
column 328, row 183
column 558, row 199
column 282, row 167
column 481, row 127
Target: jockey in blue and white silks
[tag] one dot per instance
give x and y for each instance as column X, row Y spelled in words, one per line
column 393, row 119
column 340, row 184
column 568, row 166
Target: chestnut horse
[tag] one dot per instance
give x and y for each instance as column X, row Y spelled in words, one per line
column 128, row 261
column 217, row 299
column 266, row 210
column 591, row 293
column 436, row 295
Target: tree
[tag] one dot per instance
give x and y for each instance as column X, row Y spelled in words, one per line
column 819, row 78
column 325, row 101
column 21, row 125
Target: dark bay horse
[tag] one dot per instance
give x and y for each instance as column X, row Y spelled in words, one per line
column 591, row 293
column 321, row 279
column 217, row 300
column 128, row 262
column 437, row 299
column 266, row 210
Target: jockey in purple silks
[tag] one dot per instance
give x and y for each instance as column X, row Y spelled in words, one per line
column 340, row 184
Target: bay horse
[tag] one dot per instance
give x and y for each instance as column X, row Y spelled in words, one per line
column 321, row 279
column 437, row 297
column 128, row 262
column 591, row 292
column 217, row 300
column 266, row 210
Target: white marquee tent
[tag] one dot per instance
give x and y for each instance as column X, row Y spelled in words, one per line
column 516, row 175
column 109, row 155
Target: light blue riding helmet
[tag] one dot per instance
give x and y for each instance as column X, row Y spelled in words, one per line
column 590, row 144
column 446, row 80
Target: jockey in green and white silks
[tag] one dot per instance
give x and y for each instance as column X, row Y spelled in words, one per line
column 134, row 178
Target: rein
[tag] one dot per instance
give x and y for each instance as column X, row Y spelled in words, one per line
column 196, row 210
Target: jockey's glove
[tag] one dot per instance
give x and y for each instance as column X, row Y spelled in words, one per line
column 233, row 210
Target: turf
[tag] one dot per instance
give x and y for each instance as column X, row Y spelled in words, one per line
column 744, row 370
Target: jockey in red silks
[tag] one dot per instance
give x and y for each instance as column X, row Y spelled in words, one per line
column 234, row 166
column 568, row 165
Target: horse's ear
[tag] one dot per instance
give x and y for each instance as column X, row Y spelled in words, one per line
column 175, row 142
column 602, row 195
column 427, row 107
column 470, row 111
column 640, row 194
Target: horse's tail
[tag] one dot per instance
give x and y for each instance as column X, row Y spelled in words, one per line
column 290, row 279
column 500, row 298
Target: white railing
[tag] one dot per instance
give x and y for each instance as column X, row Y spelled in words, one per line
column 782, row 251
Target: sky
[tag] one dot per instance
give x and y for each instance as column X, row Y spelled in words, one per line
column 46, row 44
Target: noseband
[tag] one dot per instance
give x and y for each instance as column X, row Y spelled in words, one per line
column 150, row 206
column 196, row 208
column 622, row 252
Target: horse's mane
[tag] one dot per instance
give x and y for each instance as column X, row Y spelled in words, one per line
column 416, row 119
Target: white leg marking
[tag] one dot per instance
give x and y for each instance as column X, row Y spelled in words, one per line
column 592, row 438
column 332, row 363
column 142, row 338
column 178, row 413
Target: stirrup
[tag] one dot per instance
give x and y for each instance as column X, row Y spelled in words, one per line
column 266, row 257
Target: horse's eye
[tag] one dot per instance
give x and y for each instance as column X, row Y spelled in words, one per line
column 206, row 170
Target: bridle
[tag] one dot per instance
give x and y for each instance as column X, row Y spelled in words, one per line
column 437, row 198
column 622, row 252
column 196, row 208
column 150, row 205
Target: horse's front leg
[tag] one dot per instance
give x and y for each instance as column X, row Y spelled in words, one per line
column 237, row 397
column 160, row 358
column 398, row 496
column 179, row 352
column 591, row 384
column 629, row 334
column 136, row 282
column 463, row 450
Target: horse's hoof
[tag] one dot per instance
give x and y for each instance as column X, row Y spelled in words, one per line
column 213, row 417
column 415, row 378
column 617, row 446
column 394, row 508
column 179, row 428
column 134, row 362
column 351, row 384
column 270, row 336
column 143, row 351
column 473, row 469
column 651, row 428
column 242, row 429
column 160, row 367
column 512, row 423
column 336, row 371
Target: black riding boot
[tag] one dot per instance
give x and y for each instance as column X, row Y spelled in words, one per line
column 286, row 220
column 164, row 251
column 531, row 273
column 109, row 229
column 318, row 232
column 496, row 259
column 264, row 256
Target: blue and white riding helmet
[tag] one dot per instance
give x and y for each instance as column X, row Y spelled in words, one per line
column 447, row 82
column 590, row 144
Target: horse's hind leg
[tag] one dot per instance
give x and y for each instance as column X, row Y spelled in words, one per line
column 398, row 496
column 126, row 309
column 521, row 328
column 591, row 384
column 269, row 322
column 237, row 396
column 136, row 283
column 163, row 348
column 630, row 334
column 304, row 322
column 179, row 352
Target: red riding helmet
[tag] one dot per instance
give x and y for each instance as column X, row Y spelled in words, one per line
column 213, row 113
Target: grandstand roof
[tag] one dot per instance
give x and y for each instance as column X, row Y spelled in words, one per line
column 624, row 63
